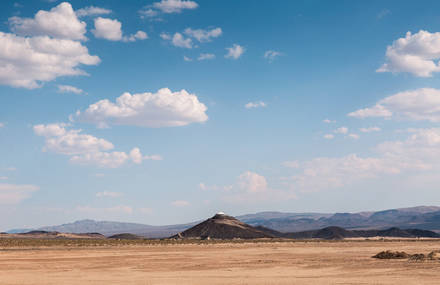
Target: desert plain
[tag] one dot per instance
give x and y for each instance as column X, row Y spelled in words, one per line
column 281, row 262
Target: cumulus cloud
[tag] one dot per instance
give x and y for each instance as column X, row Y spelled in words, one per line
column 113, row 159
column 92, row 11
column 26, row 62
column 329, row 136
column 107, row 29
column 108, row 194
column 235, row 51
column 166, row 7
column 185, row 58
column 174, row 6
column 165, row 36
column 86, row 149
column 341, row 130
column 419, row 152
column 370, row 129
column 2, row 125
column 415, row 53
column 137, row 157
column 14, row 193
column 420, row 104
column 271, row 55
column 180, row 203
column 111, row 30
column 43, row 48
column 206, row 56
column 354, row 136
column 258, row 104
column 161, row 109
column 328, row 121
column 203, row 35
column 60, row 22
column 148, row 12
column 69, row 89
column 252, row 182
column 179, row 40
column 61, row 141
column 139, row 35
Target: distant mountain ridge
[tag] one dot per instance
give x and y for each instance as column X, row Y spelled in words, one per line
column 422, row 217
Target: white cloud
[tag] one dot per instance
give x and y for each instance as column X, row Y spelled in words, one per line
column 419, row 104
column 86, row 149
column 341, row 130
column 328, row 121
column 271, row 55
column 161, row 109
column 92, row 11
column 376, row 111
column 108, row 194
column 112, row 30
column 179, row 40
column 419, row 152
column 354, row 136
column 2, row 125
column 329, row 136
column 147, row 12
column 137, row 157
column 235, row 51
column 113, row 159
column 69, row 89
column 153, row 157
column 165, row 36
column 107, row 29
column 370, row 129
column 15, row 193
column 252, row 182
column 26, row 62
column 416, row 53
column 203, row 35
column 202, row 186
column 180, row 203
column 174, row 6
column 139, row 35
column 3, row 178
column 206, row 56
column 185, row 58
column 60, row 22
column 121, row 209
column 258, row 104
column 71, row 142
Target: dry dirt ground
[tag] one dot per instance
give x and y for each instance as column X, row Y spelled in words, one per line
column 347, row 262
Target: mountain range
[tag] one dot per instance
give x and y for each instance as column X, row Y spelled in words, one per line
column 421, row 217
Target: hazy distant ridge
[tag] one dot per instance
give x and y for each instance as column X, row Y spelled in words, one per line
column 422, row 217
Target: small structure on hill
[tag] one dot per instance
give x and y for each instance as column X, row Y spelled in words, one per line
column 222, row 226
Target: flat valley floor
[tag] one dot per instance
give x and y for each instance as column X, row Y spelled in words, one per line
column 346, row 262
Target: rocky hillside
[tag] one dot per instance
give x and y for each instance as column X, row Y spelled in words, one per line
column 222, row 226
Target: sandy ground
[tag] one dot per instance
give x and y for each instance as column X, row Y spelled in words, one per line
column 347, row 262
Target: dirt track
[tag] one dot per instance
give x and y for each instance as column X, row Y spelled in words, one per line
column 240, row 263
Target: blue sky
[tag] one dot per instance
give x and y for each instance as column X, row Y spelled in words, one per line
column 168, row 111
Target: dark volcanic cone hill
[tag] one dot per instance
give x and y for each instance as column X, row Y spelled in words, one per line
column 222, row 226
